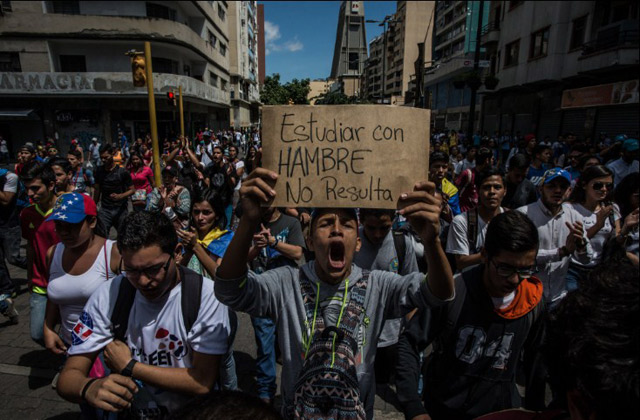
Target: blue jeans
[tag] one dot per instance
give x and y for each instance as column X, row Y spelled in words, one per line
column 38, row 307
column 10, row 242
column 265, row 333
column 228, row 378
column 576, row 276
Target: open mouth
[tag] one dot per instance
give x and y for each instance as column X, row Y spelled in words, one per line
column 336, row 255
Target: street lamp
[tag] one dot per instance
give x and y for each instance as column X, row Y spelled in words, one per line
column 388, row 20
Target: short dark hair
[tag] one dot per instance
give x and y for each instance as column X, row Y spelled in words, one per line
column 540, row 147
column 143, row 229
column 75, row 152
column 518, row 161
column 483, row 156
column 439, row 157
column 592, row 341
column 228, row 405
column 623, row 192
column 510, row 231
column 39, row 171
column 377, row 213
column 486, row 173
column 61, row 162
column 106, row 148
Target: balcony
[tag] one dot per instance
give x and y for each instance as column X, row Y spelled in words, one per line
column 99, row 84
column 490, row 34
column 612, row 49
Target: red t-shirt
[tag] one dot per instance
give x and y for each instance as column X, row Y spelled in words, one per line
column 141, row 179
column 41, row 235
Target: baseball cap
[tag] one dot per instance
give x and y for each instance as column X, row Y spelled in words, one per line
column 73, row 207
column 630, row 145
column 528, row 137
column 554, row 173
column 28, row 147
column 94, row 139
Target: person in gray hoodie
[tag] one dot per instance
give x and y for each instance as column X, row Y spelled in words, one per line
column 334, row 238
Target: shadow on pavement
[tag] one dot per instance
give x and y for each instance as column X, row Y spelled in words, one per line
column 245, row 370
column 388, row 395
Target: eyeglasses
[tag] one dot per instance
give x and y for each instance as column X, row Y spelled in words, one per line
column 504, row 270
column 149, row 272
column 599, row 185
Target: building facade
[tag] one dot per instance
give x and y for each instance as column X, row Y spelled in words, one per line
column 65, row 73
column 392, row 55
column 453, row 47
column 563, row 66
column 243, row 64
column 350, row 51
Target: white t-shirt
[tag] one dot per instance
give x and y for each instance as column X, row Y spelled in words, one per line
column 11, row 183
column 204, row 157
column 3, row 146
column 503, row 302
column 457, row 241
column 598, row 241
column 239, row 164
column 156, row 333
column 71, row 292
column 620, row 169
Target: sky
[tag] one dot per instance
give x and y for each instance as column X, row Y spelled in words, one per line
column 300, row 35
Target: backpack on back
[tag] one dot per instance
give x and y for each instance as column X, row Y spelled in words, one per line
column 328, row 384
column 190, row 302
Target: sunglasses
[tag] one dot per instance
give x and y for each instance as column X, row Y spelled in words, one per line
column 599, row 185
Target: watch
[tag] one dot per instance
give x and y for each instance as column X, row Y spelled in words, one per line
column 128, row 370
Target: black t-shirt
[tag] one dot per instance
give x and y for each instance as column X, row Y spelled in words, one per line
column 219, row 180
column 287, row 229
column 519, row 195
column 118, row 180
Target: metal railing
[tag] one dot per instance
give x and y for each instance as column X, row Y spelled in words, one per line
column 491, row 26
column 611, row 40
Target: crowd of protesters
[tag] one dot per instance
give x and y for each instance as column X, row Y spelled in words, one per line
column 469, row 299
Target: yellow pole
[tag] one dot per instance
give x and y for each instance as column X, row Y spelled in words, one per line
column 152, row 116
column 181, row 111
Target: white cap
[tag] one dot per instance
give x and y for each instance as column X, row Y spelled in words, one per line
column 94, row 139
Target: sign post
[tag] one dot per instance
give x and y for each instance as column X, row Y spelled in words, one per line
column 152, row 117
column 345, row 155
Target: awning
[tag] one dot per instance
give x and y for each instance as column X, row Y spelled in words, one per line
column 18, row 114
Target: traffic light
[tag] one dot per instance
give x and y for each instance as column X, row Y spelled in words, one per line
column 138, row 69
column 171, row 99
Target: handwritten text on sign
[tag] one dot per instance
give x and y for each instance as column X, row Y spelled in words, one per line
column 345, row 155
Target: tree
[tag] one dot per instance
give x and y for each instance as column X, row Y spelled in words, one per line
column 273, row 93
column 339, row 98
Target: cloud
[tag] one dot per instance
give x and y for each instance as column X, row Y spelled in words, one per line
column 272, row 35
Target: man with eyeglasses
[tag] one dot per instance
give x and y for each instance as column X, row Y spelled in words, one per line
column 561, row 234
column 481, row 336
column 163, row 363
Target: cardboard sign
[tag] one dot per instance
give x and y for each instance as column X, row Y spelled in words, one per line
column 345, row 155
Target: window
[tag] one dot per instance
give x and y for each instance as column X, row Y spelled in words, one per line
column 578, row 30
column 213, row 79
column 539, row 43
column 73, row 63
column 164, row 65
column 223, row 85
column 66, row 7
column 221, row 12
column 353, row 61
column 10, row 61
column 223, row 49
column 160, row 12
column 511, row 52
column 212, row 39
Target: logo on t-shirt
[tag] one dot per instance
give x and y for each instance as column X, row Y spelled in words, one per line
column 394, row 265
column 82, row 330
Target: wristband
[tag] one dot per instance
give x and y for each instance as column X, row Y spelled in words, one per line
column 565, row 251
column 128, row 370
column 275, row 243
column 83, row 393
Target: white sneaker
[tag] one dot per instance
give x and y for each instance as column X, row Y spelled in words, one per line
column 11, row 311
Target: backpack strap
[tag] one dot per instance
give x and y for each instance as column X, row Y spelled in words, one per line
column 191, row 296
column 472, row 229
column 122, row 308
column 190, row 302
column 454, row 309
column 401, row 248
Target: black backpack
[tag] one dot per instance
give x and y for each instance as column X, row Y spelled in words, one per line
column 190, row 302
